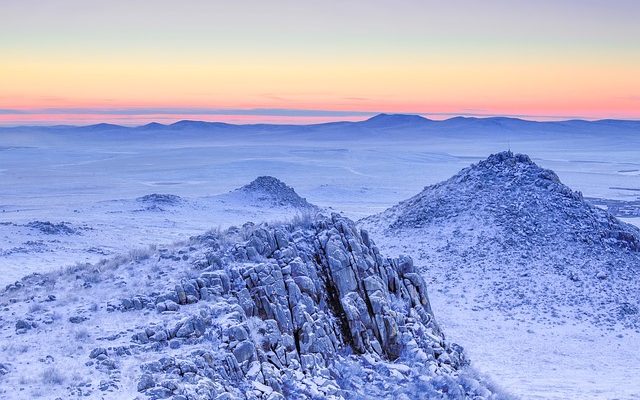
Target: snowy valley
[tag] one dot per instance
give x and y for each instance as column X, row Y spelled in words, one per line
column 214, row 261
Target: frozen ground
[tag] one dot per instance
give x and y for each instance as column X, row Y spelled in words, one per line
column 545, row 357
column 91, row 180
column 534, row 354
column 37, row 238
column 516, row 256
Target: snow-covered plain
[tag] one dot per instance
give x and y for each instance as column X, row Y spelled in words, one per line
column 92, row 180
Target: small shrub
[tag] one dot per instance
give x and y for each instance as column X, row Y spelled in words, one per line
column 52, row 376
column 247, row 230
column 92, row 276
column 140, row 254
column 304, row 220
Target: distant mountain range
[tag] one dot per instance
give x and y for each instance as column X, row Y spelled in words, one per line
column 379, row 121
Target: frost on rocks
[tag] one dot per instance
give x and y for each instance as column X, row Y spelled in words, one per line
column 300, row 311
column 274, row 192
column 160, row 199
column 507, row 214
column 520, row 196
column 156, row 201
column 49, row 228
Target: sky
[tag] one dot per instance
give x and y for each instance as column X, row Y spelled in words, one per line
column 302, row 61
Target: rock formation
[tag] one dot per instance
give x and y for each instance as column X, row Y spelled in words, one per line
column 300, row 311
column 512, row 230
column 273, row 191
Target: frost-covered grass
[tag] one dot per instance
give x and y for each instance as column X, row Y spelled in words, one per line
column 546, row 348
column 52, row 376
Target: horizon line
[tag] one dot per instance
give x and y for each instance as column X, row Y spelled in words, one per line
column 370, row 115
column 141, row 116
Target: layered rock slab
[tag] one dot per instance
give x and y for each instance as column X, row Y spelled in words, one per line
column 308, row 307
column 304, row 310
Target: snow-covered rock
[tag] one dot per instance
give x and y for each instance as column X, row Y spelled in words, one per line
column 274, row 192
column 521, row 241
column 301, row 311
column 49, row 228
column 160, row 198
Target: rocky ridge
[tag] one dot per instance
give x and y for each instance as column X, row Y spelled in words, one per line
column 301, row 311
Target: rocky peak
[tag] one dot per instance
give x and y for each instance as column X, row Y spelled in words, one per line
column 510, row 192
column 309, row 310
column 274, row 191
column 268, row 184
column 507, row 167
column 522, row 234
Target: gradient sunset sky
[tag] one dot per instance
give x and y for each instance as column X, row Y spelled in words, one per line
column 131, row 62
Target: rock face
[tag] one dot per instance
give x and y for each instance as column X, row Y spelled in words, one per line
column 338, row 292
column 514, row 231
column 307, row 310
column 303, row 309
column 274, row 192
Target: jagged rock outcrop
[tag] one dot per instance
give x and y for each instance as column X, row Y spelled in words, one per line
column 297, row 303
column 305, row 310
column 338, row 292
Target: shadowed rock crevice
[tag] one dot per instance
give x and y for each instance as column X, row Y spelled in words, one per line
column 307, row 302
column 333, row 302
column 306, row 310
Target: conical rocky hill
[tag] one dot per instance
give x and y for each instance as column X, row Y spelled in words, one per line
column 511, row 192
column 272, row 191
column 528, row 240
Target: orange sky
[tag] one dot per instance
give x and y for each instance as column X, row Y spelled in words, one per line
column 132, row 62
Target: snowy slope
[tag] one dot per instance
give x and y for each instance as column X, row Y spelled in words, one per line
column 516, row 250
column 271, row 191
column 89, row 232
column 304, row 311
column 71, row 195
column 507, row 208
